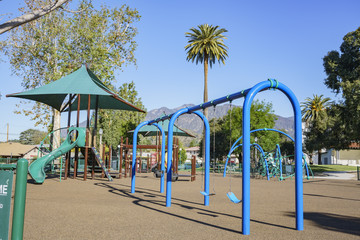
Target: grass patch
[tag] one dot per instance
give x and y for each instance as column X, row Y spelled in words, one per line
column 332, row 168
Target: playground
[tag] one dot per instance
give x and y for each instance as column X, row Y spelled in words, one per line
column 134, row 208
column 99, row 209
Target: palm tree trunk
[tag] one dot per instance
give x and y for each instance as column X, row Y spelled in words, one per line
column 206, row 83
column 205, row 99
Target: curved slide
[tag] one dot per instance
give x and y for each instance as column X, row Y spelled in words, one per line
column 36, row 169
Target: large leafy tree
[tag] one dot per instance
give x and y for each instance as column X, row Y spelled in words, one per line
column 229, row 128
column 117, row 124
column 58, row 43
column 315, row 115
column 206, row 45
column 343, row 77
column 31, row 137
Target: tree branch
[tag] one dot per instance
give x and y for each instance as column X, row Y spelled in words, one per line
column 79, row 11
column 28, row 17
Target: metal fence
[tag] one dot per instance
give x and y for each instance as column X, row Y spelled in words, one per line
column 8, row 160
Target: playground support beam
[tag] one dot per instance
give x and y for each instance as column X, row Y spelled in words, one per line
column 169, row 151
column 246, row 153
column 19, row 199
column 133, row 171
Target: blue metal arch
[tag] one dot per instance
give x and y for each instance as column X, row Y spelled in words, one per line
column 249, row 95
column 234, row 146
column 246, row 152
column 207, row 155
column 133, row 166
column 255, row 145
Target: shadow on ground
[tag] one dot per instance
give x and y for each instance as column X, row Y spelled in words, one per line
column 152, row 204
column 333, row 222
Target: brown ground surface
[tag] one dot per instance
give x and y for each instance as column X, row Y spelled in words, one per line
column 98, row 209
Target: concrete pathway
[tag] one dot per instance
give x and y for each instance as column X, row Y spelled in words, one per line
column 337, row 175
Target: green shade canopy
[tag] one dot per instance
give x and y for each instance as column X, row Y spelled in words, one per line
column 151, row 130
column 84, row 82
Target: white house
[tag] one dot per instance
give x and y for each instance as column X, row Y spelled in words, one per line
column 192, row 151
column 350, row 156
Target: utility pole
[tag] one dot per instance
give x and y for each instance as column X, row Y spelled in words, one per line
column 7, row 133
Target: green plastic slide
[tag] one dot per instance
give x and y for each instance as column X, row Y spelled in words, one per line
column 36, row 169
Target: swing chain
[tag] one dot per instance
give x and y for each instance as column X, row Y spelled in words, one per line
column 230, row 145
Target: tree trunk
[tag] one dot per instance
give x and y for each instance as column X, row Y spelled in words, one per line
column 56, row 141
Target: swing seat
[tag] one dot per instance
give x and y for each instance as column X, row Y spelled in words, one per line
column 205, row 194
column 233, row 198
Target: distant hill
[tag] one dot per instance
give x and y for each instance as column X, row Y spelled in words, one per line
column 193, row 124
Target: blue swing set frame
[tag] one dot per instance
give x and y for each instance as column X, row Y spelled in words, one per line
column 249, row 95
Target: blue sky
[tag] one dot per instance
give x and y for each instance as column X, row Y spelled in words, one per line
column 285, row 40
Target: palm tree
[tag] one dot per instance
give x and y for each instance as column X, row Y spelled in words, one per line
column 206, row 45
column 314, row 110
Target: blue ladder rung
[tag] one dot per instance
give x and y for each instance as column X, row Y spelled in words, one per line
column 233, row 198
column 204, row 193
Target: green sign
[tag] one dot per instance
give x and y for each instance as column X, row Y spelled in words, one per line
column 6, row 179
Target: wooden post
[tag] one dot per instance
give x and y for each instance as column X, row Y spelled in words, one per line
column 193, row 168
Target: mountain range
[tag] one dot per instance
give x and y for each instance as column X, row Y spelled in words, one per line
column 193, row 124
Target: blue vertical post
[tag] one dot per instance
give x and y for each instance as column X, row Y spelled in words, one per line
column 169, row 154
column 246, row 164
column 298, row 165
column 162, row 156
column 298, row 157
column 133, row 164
